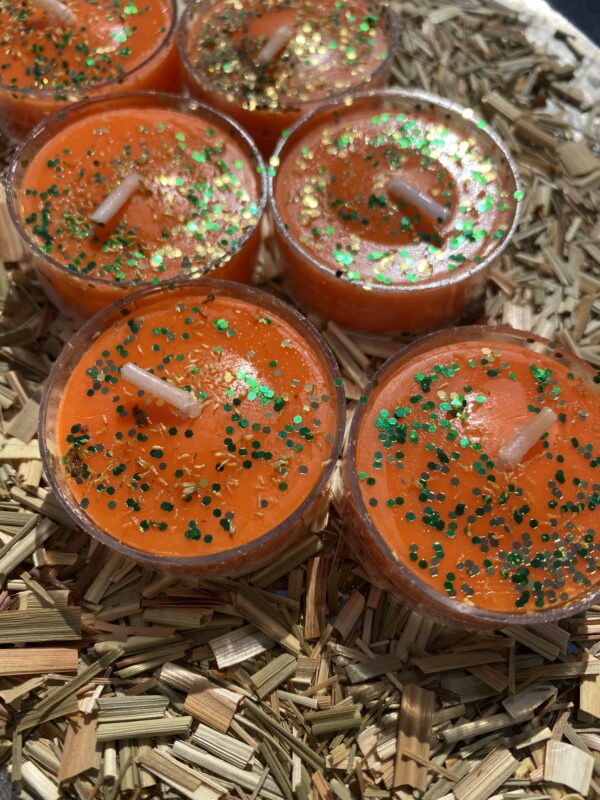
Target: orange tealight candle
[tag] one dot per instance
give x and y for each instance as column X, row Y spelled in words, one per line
column 264, row 62
column 55, row 52
column 138, row 189
column 473, row 478
column 195, row 428
column 388, row 208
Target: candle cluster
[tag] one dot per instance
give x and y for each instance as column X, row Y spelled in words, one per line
column 194, row 424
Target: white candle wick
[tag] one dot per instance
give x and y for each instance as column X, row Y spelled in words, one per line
column 115, row 201
column 57, row 11
column 523, row 439
column 401, row 189
column 275, row 43
column 183, row 401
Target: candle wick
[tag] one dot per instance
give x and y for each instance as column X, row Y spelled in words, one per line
column 522, row 440
column 401, row 189
column 115, row 201
column 183, row 401
column 274, row 45
column 57, row 11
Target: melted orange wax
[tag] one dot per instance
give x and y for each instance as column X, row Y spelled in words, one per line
column 112, row 46
column 191, row 487
column 517, row 540
column 200, row 196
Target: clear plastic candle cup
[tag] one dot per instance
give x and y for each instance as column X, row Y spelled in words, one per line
column 59, row 52
column 194, row 429
column 136, row 190
column 472, row 481
column 389, row 208
column 266, row 62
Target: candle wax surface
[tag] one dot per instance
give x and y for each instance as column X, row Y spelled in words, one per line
column 506, row 541
column 172, row 486
column 107, row 40
column 331, row 192
column 200, row 194
column 335, row 46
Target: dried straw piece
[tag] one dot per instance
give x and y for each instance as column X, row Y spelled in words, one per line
column 113, row 709
column 70, row 688
column 274, row 673
column 480, row 727
column 232, row 750
column 298, row 553
column 79, row 753
column 264, row 616
column 45, row 504
column 38, row 782
column 182, row 619
column 368, row 670
column 569, row 766
column 523, row 705
column 178, row 677
column 491, row 676
column 15, row 450
column 167, row 726
column 176, row 775
column 589, row 699
column 227, row 772
column 11, row 245
column 333, row 720
column 349, row 616
column 212, row 704
column 306, row 753
column 481, row 782
column 274, row 767
column 316, row 593
column 416, row 718
column 551, row 672
column 24, row 543
column 38, row 660
column 449, row 661
column 577, row 159
column 40, row 625
column 24, row 425
column 15, row 695
column 239, row 645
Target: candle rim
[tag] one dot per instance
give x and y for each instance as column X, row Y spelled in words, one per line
column 393, row 30
column 155, row 99
column 238, row 291
column 81, row 95
column 423, row 345
column 441, row 279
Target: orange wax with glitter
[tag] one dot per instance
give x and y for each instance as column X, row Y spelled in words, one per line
column 335, row 47
column 45, row 64
column 199, row 202
column 169, row 486
column 507, row 540
column 369, row 260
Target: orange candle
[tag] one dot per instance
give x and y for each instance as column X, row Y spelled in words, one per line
column 50, row 58
column 389, row 208
column 473, row 478
column 194, row 192
column 265, row 62
column 221, row 491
